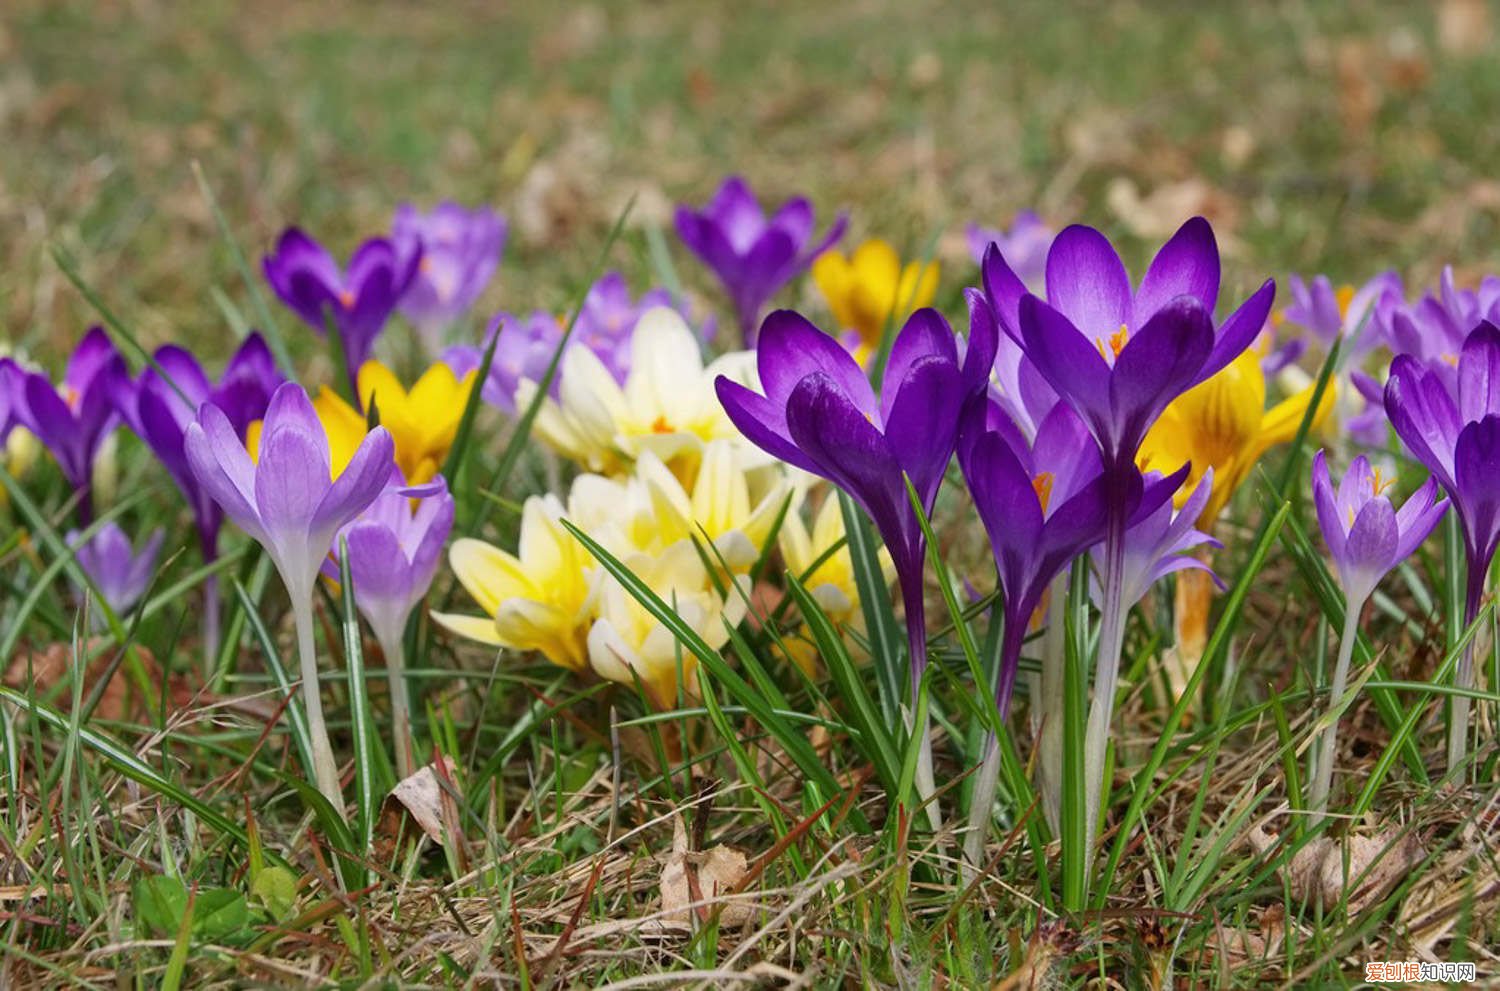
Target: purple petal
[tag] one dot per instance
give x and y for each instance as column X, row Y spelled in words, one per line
column 1087, row 282
column 762, row 422
column 1066, row 359
column 1187, row 265
column 1479, row 373
column 925, row 335
column 790, row 348
column 223, row 468
column 1371, row 549
column 1239, row 331
column 359, row 483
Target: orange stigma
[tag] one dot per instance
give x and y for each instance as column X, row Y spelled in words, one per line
column 346, row 299
column 1117, row 342
column 661, row 426
column 1042, row 486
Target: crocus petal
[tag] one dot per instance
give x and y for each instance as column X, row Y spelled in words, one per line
column 925, row 335
column 1418, row 517
column 762, row 422
column 1371, row 549
column 1236, row 333
column 1087, row 282
column 369, row 472
column 1158, row 363
column 1187, row 265
column 223, row 467
column 1330, row 520
column 922, row 422
column 1067, row 359
column 1476, row 472
column 1479, row 373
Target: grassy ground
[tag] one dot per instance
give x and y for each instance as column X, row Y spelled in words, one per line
column 1319, row 137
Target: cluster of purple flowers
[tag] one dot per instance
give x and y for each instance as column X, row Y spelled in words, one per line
column 1044, row 402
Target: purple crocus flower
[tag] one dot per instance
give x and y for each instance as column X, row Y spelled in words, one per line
column 118, row 570
column 160, row 410
column 1015, row 383
column 10, row 396
column 1365, row 534
column 1449, row 419
column 309, row 281
column 163, row 407
column 395, row 545
column 394, row 548
column 1434, row 327
column 288, row 500
column 73, row 419
column 753, row 255
column 1329, row 313
column 1366, row 537
column 1042, row 504
column 1159, row 540
column 820, row 413
column 1118, row 355
column 1024, row 246
column 606, row 324
column 459, row 250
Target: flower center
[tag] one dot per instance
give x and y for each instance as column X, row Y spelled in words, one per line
column 661, row 426
column 1117, row 342
column 1042, row 486
column 1378, row 484
column 346, row 299
column 1344, row 296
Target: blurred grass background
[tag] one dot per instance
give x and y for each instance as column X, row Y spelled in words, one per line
column 1345, row 137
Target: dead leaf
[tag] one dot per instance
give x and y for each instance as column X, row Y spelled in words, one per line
column 39, row 672
column 1375, row 865
column 1157, row 215
column 423, row 797
column 691, row 882
column 1463, row 27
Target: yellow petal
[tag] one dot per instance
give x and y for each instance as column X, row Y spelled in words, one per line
column 343, row 424
column 489, row 574
column 480, row 628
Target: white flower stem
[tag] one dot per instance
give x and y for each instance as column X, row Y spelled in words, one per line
column 395, row 671
column 981, row 803
column 211, row 627
column 325, row 767
column 1463, row 675
column 1317, row 797
column 1106, row 673
column 1050, row 703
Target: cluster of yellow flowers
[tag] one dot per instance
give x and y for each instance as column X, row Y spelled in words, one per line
column 669, row 489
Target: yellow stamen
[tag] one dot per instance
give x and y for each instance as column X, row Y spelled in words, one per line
column 1381, row 484
column 661, row 426
column 1042, row 486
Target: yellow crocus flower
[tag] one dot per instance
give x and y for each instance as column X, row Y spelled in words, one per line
column 1223, row 424
column 423, row 421
column 627, row 643
column 865, row 289
column 536, row 599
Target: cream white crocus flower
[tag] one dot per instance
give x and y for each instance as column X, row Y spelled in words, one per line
column 719, row 502
column 627, row 643
column 536, row 599
column 667, row 405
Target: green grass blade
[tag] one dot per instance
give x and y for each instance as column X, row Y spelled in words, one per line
column 269, row 328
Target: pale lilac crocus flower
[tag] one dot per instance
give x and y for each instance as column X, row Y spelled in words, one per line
column 1366, row 538
column 393, row 548
column 288, row 500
